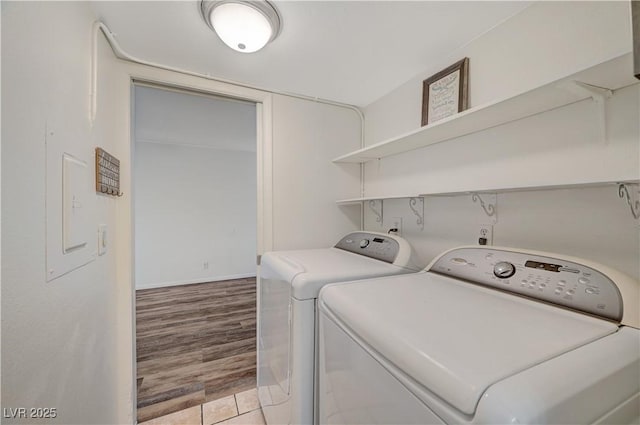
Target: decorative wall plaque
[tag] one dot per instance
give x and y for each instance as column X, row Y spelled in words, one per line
column 445, row 93
column 107, row 173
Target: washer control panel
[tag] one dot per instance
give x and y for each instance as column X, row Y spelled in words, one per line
column 556, row 281
column 372, row 245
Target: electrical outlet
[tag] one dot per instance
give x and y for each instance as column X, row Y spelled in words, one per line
column 485, row 234
column 205, row 265
column 396, row 223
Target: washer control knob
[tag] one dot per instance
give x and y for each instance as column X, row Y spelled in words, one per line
column 504, row 270
column 364, row 243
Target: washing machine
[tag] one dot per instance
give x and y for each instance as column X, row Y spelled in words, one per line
column 484, row 336
column 288, row 287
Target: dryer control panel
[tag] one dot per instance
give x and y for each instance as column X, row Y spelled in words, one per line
column 553, row 280
column 375, row 245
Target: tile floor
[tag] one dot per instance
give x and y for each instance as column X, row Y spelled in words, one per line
column 238, row 409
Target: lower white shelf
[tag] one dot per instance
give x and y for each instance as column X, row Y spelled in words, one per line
column 534, row 188
column 354, row 201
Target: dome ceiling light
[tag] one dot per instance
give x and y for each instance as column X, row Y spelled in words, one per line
column 245, row 26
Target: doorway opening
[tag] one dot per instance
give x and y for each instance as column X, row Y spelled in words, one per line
column 195, row 213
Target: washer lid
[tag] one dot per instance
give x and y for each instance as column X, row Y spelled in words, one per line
column 310, row 269
column 455, row 338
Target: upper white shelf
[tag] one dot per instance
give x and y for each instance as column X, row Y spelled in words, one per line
column 591, row 82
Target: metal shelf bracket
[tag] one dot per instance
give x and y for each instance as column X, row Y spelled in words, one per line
column 489, row 206
column 634, row 204
column 378, row 211
column 417, row 207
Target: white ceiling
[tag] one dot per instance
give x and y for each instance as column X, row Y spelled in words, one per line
column 347, row 51
column 177, row 118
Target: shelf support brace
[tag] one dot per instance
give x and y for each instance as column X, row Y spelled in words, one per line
column 599, row 95
column 378, row 212
column 634, row 205
column 489, row 206
column 417, row 206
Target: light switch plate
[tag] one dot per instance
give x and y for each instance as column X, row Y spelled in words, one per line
column 102, row 239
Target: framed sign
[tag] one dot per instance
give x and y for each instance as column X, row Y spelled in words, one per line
column 445, row 93
column 107, row 173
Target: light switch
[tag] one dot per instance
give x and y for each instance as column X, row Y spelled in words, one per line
column 75, row 180
column 102, row 239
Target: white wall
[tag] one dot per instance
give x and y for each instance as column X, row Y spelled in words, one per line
column 546, row 41
column 59, row 339
column 195, row 188
column 559, row 146
column 591, row 223
column 193, row 205
column 70, row 343
column 306, row 137
column 176, row 117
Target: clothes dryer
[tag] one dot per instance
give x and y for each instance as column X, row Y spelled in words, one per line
column 288, row 286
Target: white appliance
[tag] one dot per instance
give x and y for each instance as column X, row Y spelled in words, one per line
column 288, row 286
column 484, row 335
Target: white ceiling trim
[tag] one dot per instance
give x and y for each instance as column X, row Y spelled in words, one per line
column 340, row 52
column 121, row 54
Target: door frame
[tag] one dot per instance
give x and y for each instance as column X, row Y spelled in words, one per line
column 264, row 169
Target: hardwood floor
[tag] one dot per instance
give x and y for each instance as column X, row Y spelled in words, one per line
column 195, row 343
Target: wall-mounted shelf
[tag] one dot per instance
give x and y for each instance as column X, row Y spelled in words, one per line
column 596, row 82
column 496, row 190
column 622, row 187
column 354, row 201
column 376, row 205
column 507, row 189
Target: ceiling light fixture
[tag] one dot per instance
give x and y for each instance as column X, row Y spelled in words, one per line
column 245, row 26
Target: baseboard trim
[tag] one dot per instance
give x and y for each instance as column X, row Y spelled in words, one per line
column 192, row 281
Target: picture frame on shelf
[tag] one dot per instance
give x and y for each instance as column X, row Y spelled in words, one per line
column 445, row 93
